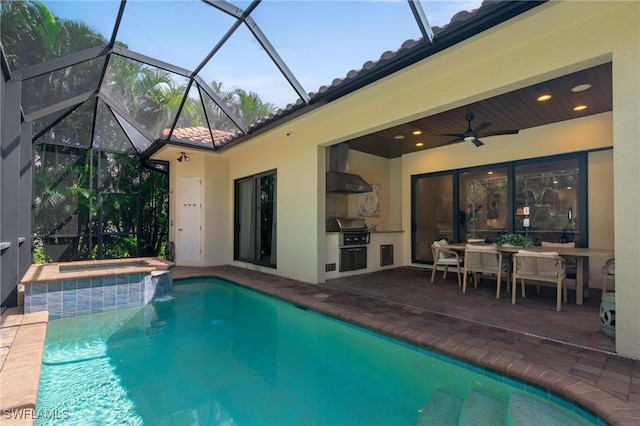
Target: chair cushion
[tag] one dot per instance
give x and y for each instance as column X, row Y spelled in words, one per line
column 481, row 257
column 570, row 261
column 442, row 243
column 538, row 253
column 537, row 263
column 548, row 244
column 487, row 247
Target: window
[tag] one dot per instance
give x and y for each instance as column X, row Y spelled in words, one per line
column 550, row 191
column 484, row 199
column 255, row 219
column 543, row 198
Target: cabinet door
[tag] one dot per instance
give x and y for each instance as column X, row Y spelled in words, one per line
column 347, row 260
column 360, row 258
column 352, row 258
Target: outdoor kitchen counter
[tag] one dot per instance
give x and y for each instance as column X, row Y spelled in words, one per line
column 378, row 239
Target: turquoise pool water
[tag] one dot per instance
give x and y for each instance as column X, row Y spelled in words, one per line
column 217, row 354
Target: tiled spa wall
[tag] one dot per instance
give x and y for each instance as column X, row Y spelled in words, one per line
column 97, row 294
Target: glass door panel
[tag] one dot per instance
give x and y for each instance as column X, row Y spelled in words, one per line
column 484, row 204
column 547, row 196
column 255, row 216
column 267, row 225
column 433, row 214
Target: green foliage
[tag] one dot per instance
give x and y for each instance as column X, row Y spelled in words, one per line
column 31, row 34
column 517, row 240
column 86, row 196
column 39, row 256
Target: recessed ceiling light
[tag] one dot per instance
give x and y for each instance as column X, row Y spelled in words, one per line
column 398, row 137
column 543, row 98
column 489, row 172
column 581, row 87
column 416, row 132
column 579, row 107
column 419, row 144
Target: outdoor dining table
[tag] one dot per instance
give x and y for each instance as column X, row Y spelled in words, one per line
column 581, row 254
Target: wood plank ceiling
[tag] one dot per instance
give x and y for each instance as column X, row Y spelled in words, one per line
column 515, row 110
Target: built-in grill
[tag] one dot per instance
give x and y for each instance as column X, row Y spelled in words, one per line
column 353, row 231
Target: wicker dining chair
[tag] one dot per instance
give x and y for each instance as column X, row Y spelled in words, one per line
column 484, row 259
column 608, row 273
column 540, row 267
column 444, row 257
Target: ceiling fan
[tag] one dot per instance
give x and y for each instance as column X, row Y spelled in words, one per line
column 472, row 135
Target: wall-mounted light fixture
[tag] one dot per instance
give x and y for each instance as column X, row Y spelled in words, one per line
column 183, row 156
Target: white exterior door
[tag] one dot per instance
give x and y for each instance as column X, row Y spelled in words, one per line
column 189, row 216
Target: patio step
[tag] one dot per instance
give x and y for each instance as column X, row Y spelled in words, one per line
column 480, row 408
column 529, row 411
column 441, row 409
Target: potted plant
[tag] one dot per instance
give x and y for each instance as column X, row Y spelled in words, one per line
column 516, row 240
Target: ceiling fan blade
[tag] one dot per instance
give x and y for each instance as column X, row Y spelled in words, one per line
column 501, row 132
column 458, row 139
column 481, row 127
column 457, row 135
column 477, row 142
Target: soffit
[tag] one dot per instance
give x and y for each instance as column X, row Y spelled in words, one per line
column 517, row 110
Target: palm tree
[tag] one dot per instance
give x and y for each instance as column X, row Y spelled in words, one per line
column 251, row 107
column 246, row 105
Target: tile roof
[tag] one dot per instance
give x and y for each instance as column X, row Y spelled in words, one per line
column 198, row 134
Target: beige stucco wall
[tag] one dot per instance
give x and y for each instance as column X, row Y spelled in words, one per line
column 626, row 158
column 300, row 180
column 374, row 170
column 553, row 39
column 601, row 220
column 217, row 217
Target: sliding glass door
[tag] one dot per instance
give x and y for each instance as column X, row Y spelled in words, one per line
column 255, row 219
column 543, row 198
column 434, row 213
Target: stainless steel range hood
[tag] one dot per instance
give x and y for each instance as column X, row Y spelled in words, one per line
column 339, row 180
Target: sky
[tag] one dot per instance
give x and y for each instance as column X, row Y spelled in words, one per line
column 318, row 40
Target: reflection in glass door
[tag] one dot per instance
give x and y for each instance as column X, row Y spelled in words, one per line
column 551, row 193
column 433, row 213
column 484, row 204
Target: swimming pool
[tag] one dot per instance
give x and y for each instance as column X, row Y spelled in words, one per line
column 219, row 354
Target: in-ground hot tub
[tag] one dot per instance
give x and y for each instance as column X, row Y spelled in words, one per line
column 68, row 289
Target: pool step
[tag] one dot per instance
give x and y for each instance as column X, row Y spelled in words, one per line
column 441, row 409
column 480, row 408
column 527, row 411
column 477, row 408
